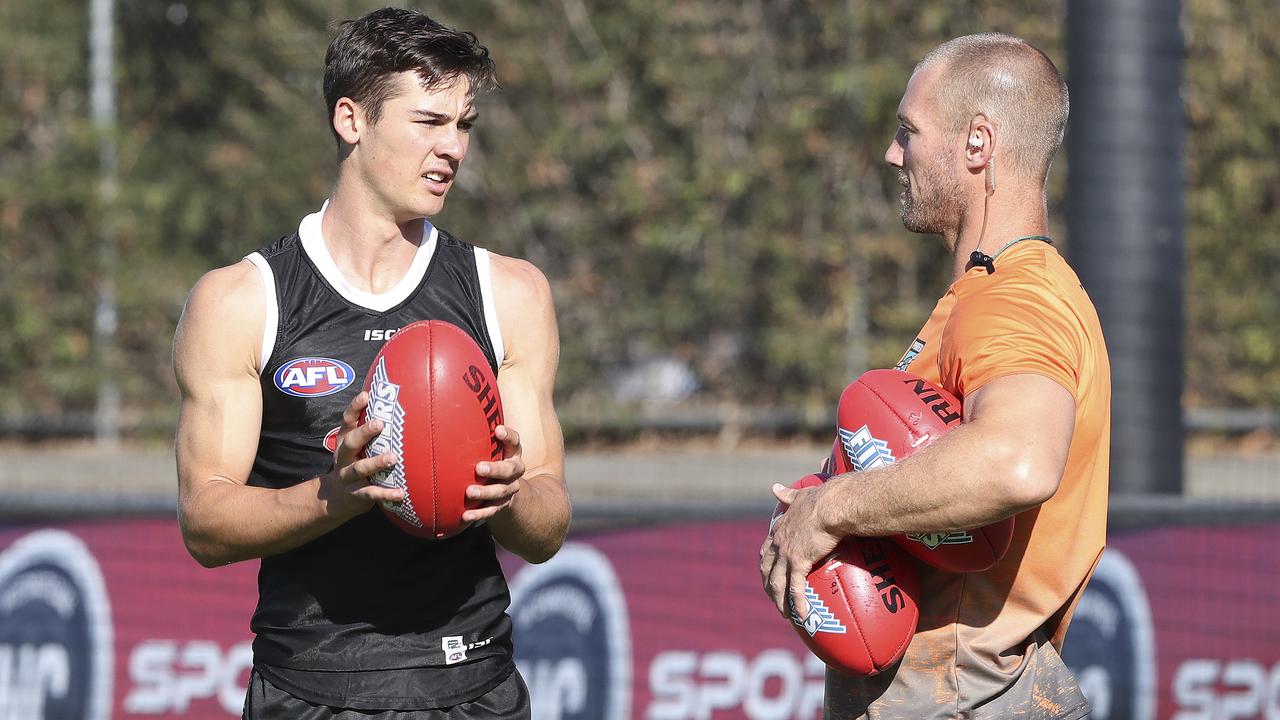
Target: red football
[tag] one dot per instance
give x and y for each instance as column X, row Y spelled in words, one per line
column 862, row 602
column 886, row 415
column 433, row 387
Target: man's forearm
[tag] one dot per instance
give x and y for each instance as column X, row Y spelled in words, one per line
column 225, row 521
column 955, row 484
column 535, row 524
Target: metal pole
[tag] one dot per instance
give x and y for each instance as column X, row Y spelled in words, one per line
column 1125, row 213
column 102, row 102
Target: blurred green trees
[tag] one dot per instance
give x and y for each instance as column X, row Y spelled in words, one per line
column 702, row 180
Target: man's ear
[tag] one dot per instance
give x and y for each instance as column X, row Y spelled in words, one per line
column 348, row 120
column 980, row 145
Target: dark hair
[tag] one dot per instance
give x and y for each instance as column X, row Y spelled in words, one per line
column 369, row 51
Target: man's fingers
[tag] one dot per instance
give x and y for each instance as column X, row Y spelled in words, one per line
column 356, row 439
column 768, row 559
column 377, row 493
column 352, row 435
column 351, row 416
column 798, row 580
column 359, row 471
column 478, row 514
column 777, row 585
column 501, row 470
column 496, row 492
column 785, row 494
column 510, row 440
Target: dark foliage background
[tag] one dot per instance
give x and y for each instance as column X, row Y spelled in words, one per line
column 702, row 181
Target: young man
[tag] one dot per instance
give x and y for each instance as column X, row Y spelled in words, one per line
column 353, row 613
column 1018, row 339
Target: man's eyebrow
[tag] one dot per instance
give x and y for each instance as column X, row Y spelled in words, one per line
column 906, row 121
column 469, row 116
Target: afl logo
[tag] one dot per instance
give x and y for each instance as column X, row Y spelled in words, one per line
column 55, row 630
column 572, row 637
column 1110, row 647
column 313, row 377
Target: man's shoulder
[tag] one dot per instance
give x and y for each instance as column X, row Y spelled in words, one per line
column 1037, row 285
column 231, row 291
column 518, row 277
column 222, row 314
column 526, row 312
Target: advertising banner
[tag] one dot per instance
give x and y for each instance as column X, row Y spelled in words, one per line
column 112, row 619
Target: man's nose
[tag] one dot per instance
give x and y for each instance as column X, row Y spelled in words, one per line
column 893, row 153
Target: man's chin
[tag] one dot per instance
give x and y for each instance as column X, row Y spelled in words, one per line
column 917, row 224
column 430, row 207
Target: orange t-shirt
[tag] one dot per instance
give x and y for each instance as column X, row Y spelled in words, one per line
column 987, row 643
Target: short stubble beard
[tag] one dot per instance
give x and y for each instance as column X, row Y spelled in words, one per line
column 938, row 209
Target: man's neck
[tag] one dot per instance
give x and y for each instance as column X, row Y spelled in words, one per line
column 993, row 221
column 370, row 248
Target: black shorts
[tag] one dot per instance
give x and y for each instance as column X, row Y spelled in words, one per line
column 508, row 701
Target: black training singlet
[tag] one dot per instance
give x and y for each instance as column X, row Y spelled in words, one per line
column 367, row 616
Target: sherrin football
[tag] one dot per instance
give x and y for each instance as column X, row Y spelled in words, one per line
column 885, row 416
column 432, row 386
column 862, row 602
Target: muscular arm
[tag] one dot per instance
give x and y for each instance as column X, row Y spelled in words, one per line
column 533, row 525
column 224, row 520
column 1008, row 456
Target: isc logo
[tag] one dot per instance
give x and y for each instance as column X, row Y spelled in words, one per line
column 313, row 377
column 380, row 334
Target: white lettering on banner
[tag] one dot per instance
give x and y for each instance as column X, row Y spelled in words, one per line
column 557, row 688
column 1205, row 689
column 167, row 675
column 774, row 685
column 28, row 675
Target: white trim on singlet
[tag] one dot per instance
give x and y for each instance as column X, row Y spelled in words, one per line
column 272, row 324
column 490, row 308
column 313, row 244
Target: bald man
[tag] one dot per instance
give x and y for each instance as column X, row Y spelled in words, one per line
column 1018, row 339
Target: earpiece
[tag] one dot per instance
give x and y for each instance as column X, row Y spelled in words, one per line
column 976, row 142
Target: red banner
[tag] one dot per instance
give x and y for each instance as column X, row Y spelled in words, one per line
column 112, row 619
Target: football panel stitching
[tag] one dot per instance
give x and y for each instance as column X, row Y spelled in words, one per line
column 893, row 411
column 431, row 404
column 853, row 618
column 906, row 640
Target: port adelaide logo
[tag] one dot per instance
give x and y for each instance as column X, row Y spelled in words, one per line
column 55, row 630
column 572, row 637
column 313, row 377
